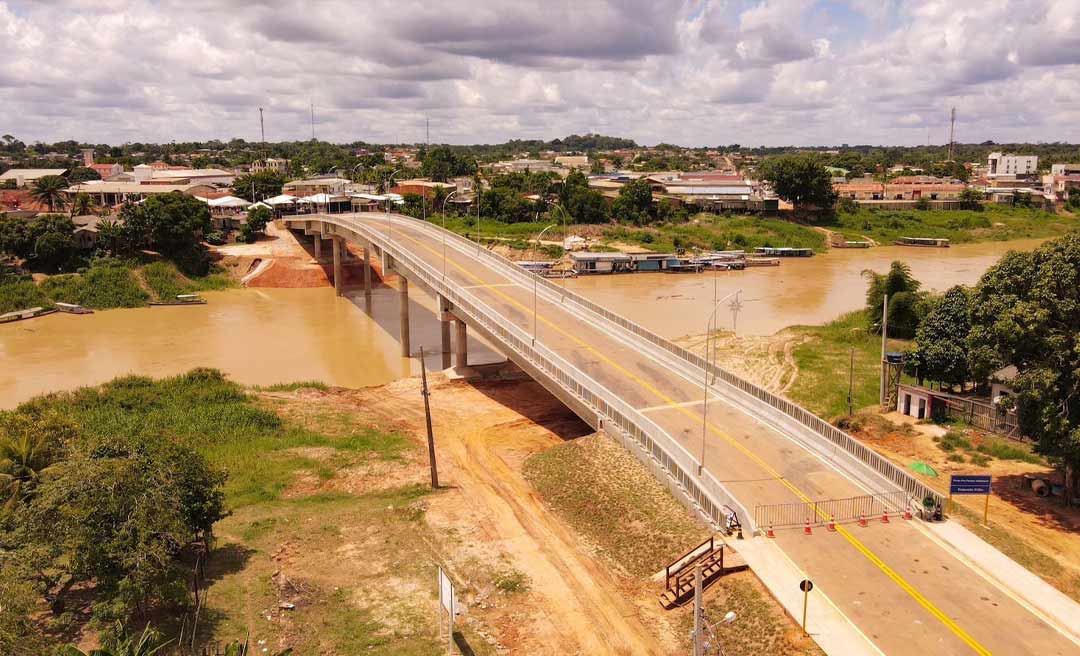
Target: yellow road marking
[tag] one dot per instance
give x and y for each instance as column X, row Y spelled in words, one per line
column 855, row 542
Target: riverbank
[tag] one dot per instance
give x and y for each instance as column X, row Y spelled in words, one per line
column 319, row 474
column 992, row 223
column 107, row 284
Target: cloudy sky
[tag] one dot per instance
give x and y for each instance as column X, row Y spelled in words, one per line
column 694, row 72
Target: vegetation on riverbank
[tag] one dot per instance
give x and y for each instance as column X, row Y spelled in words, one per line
column 106, row 284
column 199, row 420
column 992, row 223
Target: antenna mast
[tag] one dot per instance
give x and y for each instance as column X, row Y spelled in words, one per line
column 313, row 121
column 427, row 131
column 262, row 126
column 952, row 133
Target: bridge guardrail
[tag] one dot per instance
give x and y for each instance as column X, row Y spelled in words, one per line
column 867, row 456
column 706, row 492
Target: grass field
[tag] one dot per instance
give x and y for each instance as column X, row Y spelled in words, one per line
column 824, row 358
column 266, row 455
column 994, row 223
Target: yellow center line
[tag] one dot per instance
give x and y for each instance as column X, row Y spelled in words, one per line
column 855, row 542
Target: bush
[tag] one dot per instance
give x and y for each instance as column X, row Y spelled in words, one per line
column 21, row 295
column 107, row 284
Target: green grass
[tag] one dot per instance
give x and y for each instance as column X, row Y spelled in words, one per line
column 720, row 232
column 167, row 282
column 105, row 285
column 994, row 223
column 293, row 386
column 986, row 448
column 22, row 295
column 823, row 360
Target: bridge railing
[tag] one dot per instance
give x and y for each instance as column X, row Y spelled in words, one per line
column 860, row 452
column 707, row 494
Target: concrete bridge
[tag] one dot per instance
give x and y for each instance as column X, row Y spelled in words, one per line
column 724, row 446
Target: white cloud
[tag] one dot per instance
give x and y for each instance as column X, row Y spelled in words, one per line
column 696, row 72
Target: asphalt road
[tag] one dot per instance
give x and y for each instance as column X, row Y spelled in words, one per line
column 903, row 589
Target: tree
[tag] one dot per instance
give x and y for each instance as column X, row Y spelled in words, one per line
column 29, row 447
column 83, row 204
column 800, row 179
column 257, row 218
column 82, row 174
column 49, row 191
column 122, row 643
column 971, row 199
column 110, row 232
column 53, row 249
column 906, row 305
column 442, row 163
column 634, row 203
column 266, row 184
column 942, row 348
column 1025, row 312
column 170, row 222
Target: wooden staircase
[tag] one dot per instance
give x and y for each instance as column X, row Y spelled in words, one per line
column 716, row 560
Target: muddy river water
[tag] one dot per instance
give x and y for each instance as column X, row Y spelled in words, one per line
column 263, row 336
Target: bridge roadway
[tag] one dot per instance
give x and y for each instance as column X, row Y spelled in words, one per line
column 905, row 590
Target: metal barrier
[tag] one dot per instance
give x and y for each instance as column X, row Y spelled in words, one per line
column 704, row 493
column 874, row 461
column 867, row 506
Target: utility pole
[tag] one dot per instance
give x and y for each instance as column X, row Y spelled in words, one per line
column 850, row 383
column 313, row 121
column 884, row 333
column 262, row 126
column 699, row 637
column 952, row 132
column 427, row 131
column 427, row 417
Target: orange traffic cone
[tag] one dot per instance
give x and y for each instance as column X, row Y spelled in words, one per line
column 884, row 516
column 806, row 531
column 770, row 533
column 862, row 519
column 832, row 525
column 907, row 514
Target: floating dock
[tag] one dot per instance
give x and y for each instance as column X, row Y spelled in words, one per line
column 925, row 242
column 783, row 251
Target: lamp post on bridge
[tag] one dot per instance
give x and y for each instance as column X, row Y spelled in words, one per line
column 708, row 352
column 444, row 231
column 389, row 226
column 536, row 279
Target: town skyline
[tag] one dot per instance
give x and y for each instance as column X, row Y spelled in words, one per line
column 688, row 73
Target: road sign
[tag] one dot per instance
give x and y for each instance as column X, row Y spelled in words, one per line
column 969, row 485
column 446, row 600
column 806, row 585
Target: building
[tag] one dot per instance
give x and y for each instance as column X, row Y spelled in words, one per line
column 572, row 161
column 903, row 188
column 1060, row 187
column 274, row 164
column 519, row 165
column 106, row 171
column 315, row 186
column 1000, row 165
column 1065, row 169
column 21, row 178
column 422, row 187
column 114, row 193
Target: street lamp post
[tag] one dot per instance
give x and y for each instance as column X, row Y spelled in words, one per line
column 705, row 382
column 565, row 215
column 389, row 226
column 536, row 279
column 444, row 231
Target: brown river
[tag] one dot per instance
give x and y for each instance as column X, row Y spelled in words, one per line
column 264, row 336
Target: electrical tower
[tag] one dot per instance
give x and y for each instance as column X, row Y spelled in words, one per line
column 952, row 133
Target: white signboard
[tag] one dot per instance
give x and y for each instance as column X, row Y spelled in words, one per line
column 446, row 592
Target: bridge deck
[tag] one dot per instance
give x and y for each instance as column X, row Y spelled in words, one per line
column 904, row 589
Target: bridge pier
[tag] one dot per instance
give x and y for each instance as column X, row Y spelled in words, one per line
column 318, row 247
column 336, row 243
column 367, row 270
column 444, row 328
column 403, row 301
column 461, row 345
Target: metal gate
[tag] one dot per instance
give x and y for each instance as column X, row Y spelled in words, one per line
column 838, row 510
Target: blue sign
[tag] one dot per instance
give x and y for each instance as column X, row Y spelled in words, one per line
column 969, row 485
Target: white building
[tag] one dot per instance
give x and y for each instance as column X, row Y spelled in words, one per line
column 1001, row 164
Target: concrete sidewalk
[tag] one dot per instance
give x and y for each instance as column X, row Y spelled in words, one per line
column 1041, row 598
column 829, row 628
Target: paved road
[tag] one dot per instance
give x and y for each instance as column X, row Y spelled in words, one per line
column 904, row 590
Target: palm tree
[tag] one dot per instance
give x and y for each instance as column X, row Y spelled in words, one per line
column 25, row 457
column 84, row 203
column 112, row 233
column 49, row 190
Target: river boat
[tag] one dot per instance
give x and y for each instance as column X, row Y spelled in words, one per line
column 924, row 242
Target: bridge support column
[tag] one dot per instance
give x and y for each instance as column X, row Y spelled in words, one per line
column 444, row 327
column 318, row 247
column 367, row 271
column 403, row 300
column 338, row 278
column 461, row 345
column 384, row 260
